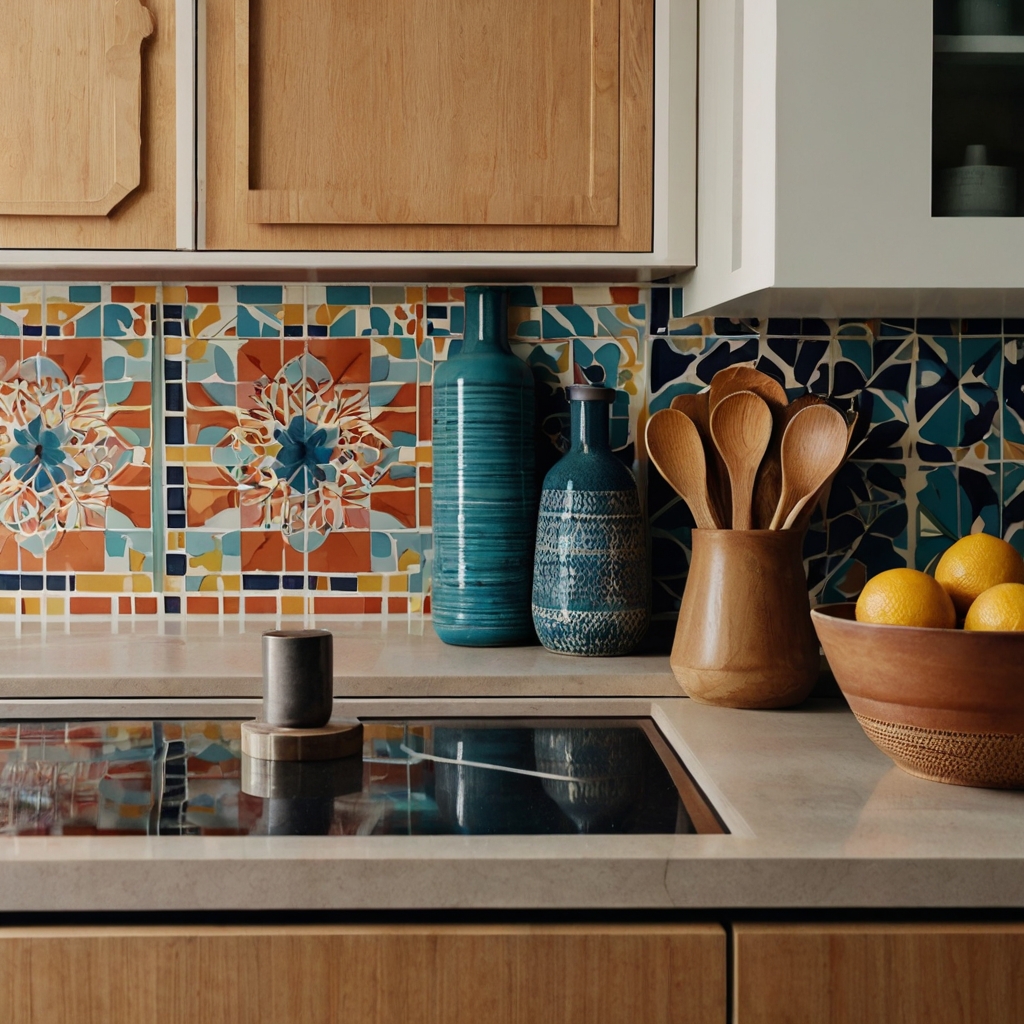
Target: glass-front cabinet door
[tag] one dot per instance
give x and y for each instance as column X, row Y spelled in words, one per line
column 978, row 109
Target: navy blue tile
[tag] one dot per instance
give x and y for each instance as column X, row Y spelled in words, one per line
column 177, row 522
column 10, row 581
column 982, row 327
column 175, row 499
column 943, row 328
column 814, row 328
column 174, row 429
column 735, row 328
column 659, row 310
column 172, row 329
column 347, row 583
column 176, row 565
column 251, row 582
column 175, row 474
column 172, row 369
column 291, row 582
column 172, row 605
column 32, row 582
column 172, row 312
column 175, row 397
column 56, row 583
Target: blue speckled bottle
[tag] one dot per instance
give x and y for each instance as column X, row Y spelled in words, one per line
column 484, row 504
column 591, row 585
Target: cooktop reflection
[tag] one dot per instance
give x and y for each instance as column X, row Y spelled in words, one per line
column 415, row 777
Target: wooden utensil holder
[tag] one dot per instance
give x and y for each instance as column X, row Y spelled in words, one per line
column 744, row 638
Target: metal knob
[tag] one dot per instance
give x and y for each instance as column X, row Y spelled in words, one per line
column 298, row 677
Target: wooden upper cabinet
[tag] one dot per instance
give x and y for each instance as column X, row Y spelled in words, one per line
column 430, row 124
column 87, row 123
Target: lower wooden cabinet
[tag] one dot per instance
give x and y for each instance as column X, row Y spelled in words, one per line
column 890, row 974
column 503, row 974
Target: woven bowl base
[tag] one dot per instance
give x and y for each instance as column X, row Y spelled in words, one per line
column 989, row 760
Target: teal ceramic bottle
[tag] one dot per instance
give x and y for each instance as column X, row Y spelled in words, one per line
column 484, row 505
column 591, row 588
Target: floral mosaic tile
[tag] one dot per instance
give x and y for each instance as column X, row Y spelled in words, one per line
column 76, row 449
column 291, row 451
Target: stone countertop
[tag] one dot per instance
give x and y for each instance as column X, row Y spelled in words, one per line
column 192, row 658
column 819, row 819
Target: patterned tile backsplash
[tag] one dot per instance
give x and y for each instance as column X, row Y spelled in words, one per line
column 265, row 449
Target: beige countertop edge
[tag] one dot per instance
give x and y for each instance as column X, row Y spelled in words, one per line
column 819, row 819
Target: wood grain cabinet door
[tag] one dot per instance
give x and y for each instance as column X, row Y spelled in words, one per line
column 509, row 974
column 896, row 974
column 87, row 124
column 429, row 124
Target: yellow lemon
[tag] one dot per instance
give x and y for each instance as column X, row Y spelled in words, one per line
column 975, row 563
column 999, row 607
column 905, row 597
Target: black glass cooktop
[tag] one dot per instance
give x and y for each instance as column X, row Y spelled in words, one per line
column 415, row 777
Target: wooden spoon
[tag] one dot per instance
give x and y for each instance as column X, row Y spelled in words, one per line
column 768, row 485
column 745, row 378
column 675, row 448
column 741, row 425
column 696, row 407
column 821, row 498
column 813, row 448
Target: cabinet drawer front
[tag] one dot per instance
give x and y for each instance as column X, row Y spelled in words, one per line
column 364, row 975
column 428, row 111
column 899, row 974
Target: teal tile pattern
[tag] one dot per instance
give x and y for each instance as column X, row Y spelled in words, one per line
column 941, row 428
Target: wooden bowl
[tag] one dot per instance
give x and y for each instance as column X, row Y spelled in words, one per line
column 944, row 704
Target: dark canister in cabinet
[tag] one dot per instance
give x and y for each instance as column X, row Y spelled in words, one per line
column 591, row 589
column 484, row 504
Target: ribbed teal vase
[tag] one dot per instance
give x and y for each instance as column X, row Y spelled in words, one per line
column 591, row 582
column 484, row 505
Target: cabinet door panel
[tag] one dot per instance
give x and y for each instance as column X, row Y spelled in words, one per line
column 87, row 123
column 413, row 112
column 364, row 975
column 70, row 115
column 899, row 974
column 432, row 125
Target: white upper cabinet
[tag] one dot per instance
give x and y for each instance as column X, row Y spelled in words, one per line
column 860, row 156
